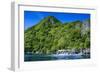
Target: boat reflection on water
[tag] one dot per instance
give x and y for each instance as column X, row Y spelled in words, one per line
column 63, row 54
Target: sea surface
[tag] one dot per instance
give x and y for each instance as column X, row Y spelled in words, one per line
column 40, row 57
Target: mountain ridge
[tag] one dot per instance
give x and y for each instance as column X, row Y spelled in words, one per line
column 50, row 35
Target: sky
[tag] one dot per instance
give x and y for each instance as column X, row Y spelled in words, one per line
column 31, row 18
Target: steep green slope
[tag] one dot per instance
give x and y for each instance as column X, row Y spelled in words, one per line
column 50, row 35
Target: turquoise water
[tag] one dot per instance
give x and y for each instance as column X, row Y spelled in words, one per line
column 37, row 57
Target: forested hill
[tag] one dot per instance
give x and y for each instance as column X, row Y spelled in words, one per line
column 50, row 35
